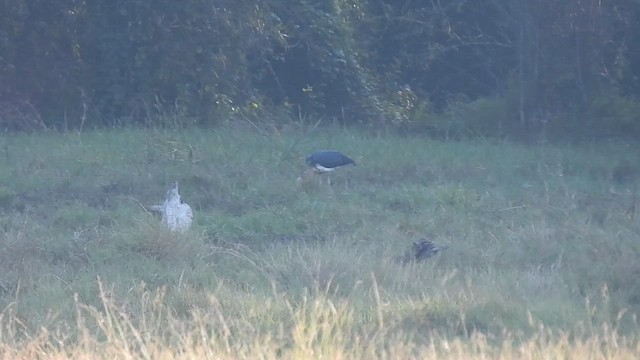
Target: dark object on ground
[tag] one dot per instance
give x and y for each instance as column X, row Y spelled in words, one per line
column 421, row 250
column 328, row 160
column 324, row 161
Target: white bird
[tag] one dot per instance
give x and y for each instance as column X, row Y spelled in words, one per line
column 175, row 214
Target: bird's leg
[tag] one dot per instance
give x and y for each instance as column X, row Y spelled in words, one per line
column 306, row 176
column 324, row 177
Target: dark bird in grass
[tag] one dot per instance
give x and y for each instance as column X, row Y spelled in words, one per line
column 328, row 160
column 324, row 161
column 421, row 250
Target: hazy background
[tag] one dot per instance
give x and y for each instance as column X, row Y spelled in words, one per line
column 515, row 68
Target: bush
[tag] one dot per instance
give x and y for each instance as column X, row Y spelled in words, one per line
column 615, row 114
column 480, row 117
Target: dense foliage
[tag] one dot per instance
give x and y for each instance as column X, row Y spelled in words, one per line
column 479, row 67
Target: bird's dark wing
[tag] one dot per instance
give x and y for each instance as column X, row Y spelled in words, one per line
column 329, row 159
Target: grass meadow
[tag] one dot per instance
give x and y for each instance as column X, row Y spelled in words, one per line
column 542, row 263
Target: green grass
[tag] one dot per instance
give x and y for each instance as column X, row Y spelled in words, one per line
column 544, row 242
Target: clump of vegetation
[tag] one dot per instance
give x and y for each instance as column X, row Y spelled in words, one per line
column 615, row 114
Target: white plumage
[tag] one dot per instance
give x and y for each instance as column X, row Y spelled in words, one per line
column 175, row 214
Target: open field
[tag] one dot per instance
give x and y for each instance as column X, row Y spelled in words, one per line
column 542, row 261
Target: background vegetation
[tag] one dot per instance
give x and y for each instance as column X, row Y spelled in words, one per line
column 568, row 68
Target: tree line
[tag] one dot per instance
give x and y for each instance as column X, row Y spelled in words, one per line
column 484, row 67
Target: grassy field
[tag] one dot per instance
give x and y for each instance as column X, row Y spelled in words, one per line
column 542, row 261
